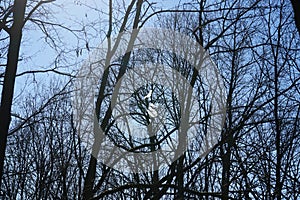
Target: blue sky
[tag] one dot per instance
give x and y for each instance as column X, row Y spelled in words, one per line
column 37, row 54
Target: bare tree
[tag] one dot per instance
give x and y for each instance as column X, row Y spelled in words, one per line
column 15, row 15
column 18, row 10
column 255, row 47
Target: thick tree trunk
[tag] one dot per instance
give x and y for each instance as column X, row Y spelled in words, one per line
column 296, row 7
column 10, row 75
column 180, row 179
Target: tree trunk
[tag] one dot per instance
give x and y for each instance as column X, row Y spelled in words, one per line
column 296, row 7
column 10, row 76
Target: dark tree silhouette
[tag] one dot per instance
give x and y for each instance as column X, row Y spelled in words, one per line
column 296, row 8
column 15, row 34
